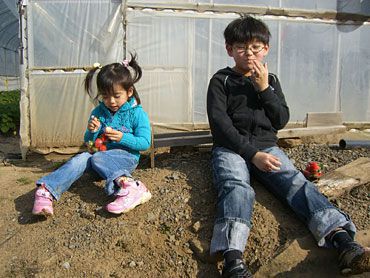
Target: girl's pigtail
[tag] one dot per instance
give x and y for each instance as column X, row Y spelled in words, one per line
column 135, row 66
column 88, row 81
column 137, row 73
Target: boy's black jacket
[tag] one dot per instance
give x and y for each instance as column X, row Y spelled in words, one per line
column 242, row 119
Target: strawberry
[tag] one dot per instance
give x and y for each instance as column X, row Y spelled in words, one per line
column 313, row 170
column 98, row 142
column 313, row 166
column 103, row 148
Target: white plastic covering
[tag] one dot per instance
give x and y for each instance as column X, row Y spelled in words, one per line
column 9, row 44
column 58, row 112
column 307, row 55
column 9, row 83
column 67, row 34
column 323, row 66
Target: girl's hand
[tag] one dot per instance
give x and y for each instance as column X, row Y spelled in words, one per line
column 94, row 124
column 260, row 76
column 266, row 162
column 113, row 135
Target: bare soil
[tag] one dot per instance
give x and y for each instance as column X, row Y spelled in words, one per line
column 168, row 236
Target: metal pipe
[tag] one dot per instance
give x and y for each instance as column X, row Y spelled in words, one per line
column 329, row 14
column 352, row 144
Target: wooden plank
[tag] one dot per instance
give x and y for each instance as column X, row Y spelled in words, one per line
column 324, row 119
column 310, row 131
column 345, row 178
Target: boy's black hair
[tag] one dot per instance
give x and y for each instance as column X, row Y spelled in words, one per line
column 115, row 73
column 246, row 29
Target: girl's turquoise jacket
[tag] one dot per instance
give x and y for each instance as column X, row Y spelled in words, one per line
column 131, row 120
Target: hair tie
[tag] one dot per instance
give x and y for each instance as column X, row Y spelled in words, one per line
column 96, row 66
column 125, row 63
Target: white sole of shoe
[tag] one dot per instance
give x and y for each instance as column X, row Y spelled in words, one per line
column 44, row 212
column 145, row 198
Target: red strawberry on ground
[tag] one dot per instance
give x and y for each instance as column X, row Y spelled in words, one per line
column 313, row 170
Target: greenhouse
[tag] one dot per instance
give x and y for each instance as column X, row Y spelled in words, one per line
column 319, row 49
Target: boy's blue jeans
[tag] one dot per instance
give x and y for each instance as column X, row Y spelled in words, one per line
column 236, row 197
column 109, row 165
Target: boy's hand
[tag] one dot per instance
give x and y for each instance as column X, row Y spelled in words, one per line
column 266, row 162
column 260, row 76
column 94, row 124
column 113, row 135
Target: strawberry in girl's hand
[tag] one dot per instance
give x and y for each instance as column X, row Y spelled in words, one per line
column 98, row 145
column 103, row 148
column 98, row 142
column 313, row 170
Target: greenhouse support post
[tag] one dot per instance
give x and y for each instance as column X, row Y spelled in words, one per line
column 24, row 130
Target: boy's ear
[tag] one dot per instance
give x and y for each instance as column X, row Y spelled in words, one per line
column 267, row 48
column 229, row 49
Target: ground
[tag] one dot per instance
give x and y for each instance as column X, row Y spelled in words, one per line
column 168, row 236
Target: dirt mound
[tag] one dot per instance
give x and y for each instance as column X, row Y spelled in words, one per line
column 166, row 237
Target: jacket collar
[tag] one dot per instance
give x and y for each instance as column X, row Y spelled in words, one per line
column 130, row 104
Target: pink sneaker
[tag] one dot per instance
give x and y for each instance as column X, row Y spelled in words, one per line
column 43, row 204
column 131, row 194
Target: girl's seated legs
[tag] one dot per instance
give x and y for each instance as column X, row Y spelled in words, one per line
column 115, row 166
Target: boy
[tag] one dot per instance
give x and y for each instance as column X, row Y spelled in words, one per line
column 246, row 108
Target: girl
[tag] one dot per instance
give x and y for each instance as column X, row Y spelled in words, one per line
column 117, row 130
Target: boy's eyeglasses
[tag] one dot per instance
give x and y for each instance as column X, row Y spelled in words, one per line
column 255, row 49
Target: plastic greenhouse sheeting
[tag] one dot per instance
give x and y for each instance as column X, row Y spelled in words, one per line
column 323, row 64
column 313, row 71
column 9, row 44
column 66, row 35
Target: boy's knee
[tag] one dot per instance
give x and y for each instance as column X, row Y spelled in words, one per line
column 241, row 190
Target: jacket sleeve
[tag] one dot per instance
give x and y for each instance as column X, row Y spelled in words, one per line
column 274, row 104
column 140, row 139
column 223, row 131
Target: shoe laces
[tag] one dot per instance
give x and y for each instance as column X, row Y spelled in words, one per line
column 125, row 182
column 43, row 191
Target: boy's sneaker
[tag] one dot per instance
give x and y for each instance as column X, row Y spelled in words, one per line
column 236, row 269
column 131, row 194
column 354, row 259
column 43, row 204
